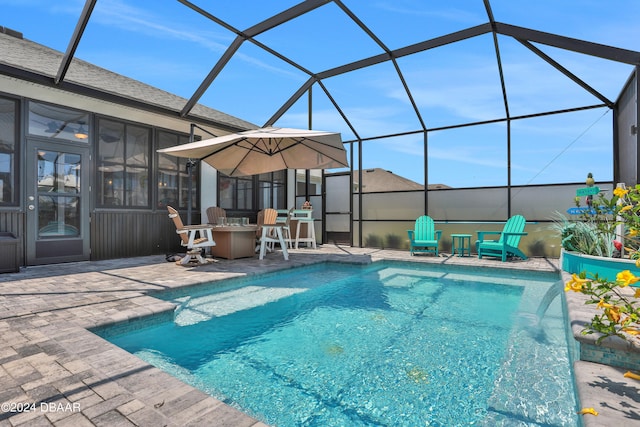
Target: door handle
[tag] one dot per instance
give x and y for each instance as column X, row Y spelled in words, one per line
column 31, row 207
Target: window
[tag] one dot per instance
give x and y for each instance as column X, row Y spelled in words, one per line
column 123, row 164
column 173, row 176
column 58, row 194
column 51, row 121
column 272, row 190
column 236, row 193
column 308, row 186
column 252, row 193
column 8, row 147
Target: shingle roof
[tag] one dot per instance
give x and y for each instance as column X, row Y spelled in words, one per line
column 22, row 54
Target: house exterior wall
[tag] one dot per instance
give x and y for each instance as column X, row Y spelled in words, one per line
column 113, row 232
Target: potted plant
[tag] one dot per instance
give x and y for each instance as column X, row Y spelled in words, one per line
column 604, row 240
column 609, row 284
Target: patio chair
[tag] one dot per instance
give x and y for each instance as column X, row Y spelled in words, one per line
column 424, row 238
column 507, row 244
column 195, row 238
column 285, row 222
column 271, row 233
column 259, row 231
column 215, row 212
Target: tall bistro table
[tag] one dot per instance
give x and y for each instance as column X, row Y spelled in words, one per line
column 300, row 218
column 304, row 216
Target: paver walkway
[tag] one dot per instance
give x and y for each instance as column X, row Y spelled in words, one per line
column 53, row 372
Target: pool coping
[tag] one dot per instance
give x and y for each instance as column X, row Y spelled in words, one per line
column 603, row 386
column 48, row 354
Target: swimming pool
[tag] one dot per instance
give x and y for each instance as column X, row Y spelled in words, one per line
column 389, row 343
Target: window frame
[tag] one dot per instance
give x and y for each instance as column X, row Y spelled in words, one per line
column 275, row 183
column 126, row 191
column 14, row 157
column 180, row 170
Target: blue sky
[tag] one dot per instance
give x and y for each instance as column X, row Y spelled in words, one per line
column 168, row 45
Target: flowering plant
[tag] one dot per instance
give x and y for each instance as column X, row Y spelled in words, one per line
column 618, row 312
column 627, row 202
column 619, row 316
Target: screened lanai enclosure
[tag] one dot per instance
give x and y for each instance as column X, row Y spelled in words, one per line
column 470, row 111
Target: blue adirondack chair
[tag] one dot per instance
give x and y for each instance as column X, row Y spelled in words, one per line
column 424, row 237
column 507, row 244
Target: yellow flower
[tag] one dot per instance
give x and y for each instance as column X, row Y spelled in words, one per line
column 633, row 232
column 633, row 375
column 603, row 304
column 588, row 411
column 626, row 278
column 613, row 314
column 631, row 331
column 576, row 283
column 620, row 192
column 626, row 208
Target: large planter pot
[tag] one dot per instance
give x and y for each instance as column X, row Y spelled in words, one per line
column 574, row 262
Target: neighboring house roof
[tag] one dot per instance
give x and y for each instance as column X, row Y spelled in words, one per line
column 28, row 60
column 378, row 179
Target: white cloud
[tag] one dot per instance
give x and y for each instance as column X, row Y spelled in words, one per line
column 415, row 8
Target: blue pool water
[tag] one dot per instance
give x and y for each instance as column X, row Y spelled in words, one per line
column 388, row 344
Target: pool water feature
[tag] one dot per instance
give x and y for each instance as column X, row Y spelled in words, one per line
column 384, row 344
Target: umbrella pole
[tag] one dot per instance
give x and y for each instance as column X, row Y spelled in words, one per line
column 189, row 175
column 190, row 165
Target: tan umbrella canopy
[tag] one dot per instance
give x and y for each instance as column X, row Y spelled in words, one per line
column 266, row 150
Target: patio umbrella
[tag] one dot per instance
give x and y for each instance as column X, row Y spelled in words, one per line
column 266, row 150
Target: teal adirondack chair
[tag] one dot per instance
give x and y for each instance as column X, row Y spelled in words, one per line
column 424, row 237
column 507, row 244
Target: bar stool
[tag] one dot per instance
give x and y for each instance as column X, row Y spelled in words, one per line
column 304, row 216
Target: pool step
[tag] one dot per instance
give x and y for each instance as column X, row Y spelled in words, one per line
column 192, row 310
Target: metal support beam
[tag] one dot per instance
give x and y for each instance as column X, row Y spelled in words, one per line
column 484, row 122
column 508, row 168
column 244, row 35
column 425, row 144
column 75, row 40
column 222, row 62
column 568, row 43
column 567, row 73
column 408, row 50
column 496, row 46
column 292, row 100
column 282, row 17
column 248, row 34
column 337, row 107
